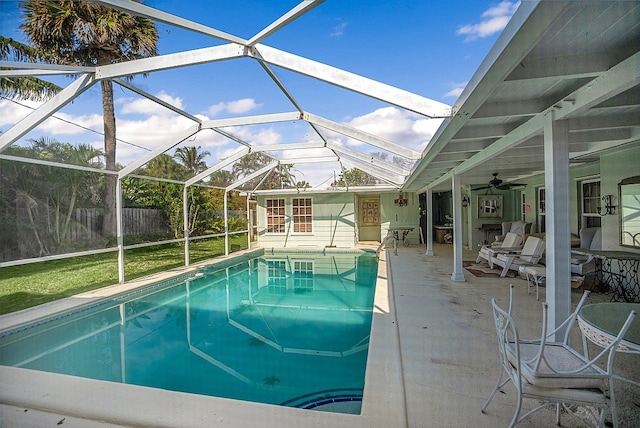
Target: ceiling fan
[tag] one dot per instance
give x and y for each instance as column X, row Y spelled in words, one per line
column 496, row 183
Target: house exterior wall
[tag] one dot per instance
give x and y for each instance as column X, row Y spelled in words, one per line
column 333, row 222
column 395, row 216
column 335, row 219
column 612, row 168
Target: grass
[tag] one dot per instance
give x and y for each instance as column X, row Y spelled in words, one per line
column 33, row 284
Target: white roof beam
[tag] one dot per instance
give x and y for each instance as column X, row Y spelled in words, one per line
column 224, row 162
column 40, row 68
column 280, row 85
column 320, row 159
column 231, row 137
column 169, row 61
column 139, row 9
column 253, row 175
column 287, row 146
column 180, row 137
column 355, row 133
column 251, row 120
column 47, row 109
column 368, row 158
column 157, row 100
column 351, row 81
column 285, row 19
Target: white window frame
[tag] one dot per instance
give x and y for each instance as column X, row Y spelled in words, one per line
column 277, row 276
column 296, row 217
column 542, row 209
column 303, row 271
column 584, row 214
column 269, row 215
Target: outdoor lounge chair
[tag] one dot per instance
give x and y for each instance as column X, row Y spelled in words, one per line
column 553, row 372
column 530, row 254
column 511, row 241
column 520, row 227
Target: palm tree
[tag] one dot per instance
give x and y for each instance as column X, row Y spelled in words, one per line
column 192, row 159
column 88, row 34
column 25, row 87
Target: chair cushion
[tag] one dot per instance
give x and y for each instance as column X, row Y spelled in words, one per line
column 553, row 369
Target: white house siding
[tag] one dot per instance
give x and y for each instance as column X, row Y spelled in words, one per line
column 333, row 222
column 395, row 216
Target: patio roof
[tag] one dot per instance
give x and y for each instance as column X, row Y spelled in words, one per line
column 580, row 59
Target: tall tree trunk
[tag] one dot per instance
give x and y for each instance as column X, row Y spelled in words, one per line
column 109, row 200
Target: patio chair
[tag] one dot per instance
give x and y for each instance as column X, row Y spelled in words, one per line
column 520, row 227
column 590, row 239
column 530, row 254
column 511, row 240
column 553, row 372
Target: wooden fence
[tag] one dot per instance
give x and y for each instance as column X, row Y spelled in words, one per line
column 87, row 222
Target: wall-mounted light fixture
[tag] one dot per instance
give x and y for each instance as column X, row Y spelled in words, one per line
column 465, row 201
column 401, row 201
column 608, row 208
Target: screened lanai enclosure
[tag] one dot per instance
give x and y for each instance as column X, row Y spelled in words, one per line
column 190, row 179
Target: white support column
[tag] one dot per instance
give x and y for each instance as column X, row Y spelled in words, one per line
column 457, row 274
column 429, row 231
column 226, row 225
column 248, row 222
column 185, row 219
column 558, row 251
column 119, row 231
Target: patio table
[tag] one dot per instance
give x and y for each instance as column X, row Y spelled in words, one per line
column 622, row 277
column 601, row 322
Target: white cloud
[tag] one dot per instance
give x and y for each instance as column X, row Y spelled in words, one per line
column 493, row 20
column 338, row 30
column 236, row 107
column 456, row 91
column 398, row 126
column 147, row 107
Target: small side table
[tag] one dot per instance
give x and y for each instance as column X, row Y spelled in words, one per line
column 537, row 272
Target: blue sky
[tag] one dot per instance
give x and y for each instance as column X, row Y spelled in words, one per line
column 429, row 48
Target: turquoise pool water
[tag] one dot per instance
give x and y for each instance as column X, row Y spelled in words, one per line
column 288, row 329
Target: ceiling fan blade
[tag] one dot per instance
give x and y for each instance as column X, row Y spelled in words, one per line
column 482, row 188
column 508, row 186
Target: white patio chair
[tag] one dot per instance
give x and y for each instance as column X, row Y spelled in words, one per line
column 530, row 254
column 553, row 372
column 511, row 241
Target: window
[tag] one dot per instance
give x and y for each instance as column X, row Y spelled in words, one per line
column 277, row 277
column 302, row 215
column 302, row 277
column 590, row 203
column 524, row 210
column 275, row 216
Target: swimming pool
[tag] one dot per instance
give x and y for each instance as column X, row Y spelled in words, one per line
column 290, row 329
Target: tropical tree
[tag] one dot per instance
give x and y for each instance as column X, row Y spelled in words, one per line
column 24, row 87
column 47, row 196
column 192, row 158
column 85, row 33
column 354, row 177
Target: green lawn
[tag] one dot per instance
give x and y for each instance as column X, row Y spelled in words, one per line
column 36, row 283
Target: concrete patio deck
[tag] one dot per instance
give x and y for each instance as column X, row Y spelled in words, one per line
column 448, row 344
column 447, row 358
